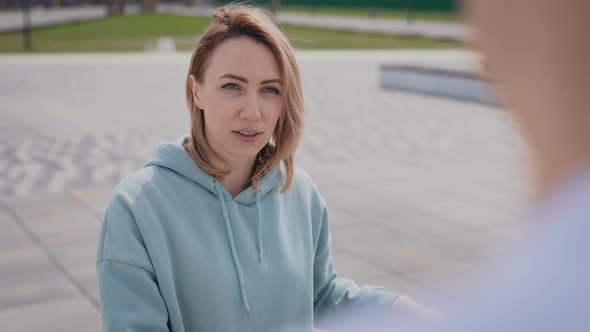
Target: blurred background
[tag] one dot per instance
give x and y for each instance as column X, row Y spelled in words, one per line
column 125, row 25
column 410, row 148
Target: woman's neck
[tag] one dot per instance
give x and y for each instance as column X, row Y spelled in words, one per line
column 238, row 178
column 240, row 171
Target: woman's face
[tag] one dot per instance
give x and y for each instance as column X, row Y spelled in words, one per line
column 240, row 95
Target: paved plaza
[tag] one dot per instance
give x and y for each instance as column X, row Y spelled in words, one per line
column 421, row 189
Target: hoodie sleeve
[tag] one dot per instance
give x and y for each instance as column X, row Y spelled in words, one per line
column 129, row 293
column 339, row 303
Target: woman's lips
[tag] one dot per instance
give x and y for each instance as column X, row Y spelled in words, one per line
column 247, row 136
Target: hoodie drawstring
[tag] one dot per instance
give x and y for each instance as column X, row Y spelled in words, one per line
column 232, row 245
column 259, row 235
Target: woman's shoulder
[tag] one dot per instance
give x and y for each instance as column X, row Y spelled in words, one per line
column 302, row 179
column 144, row 182
column 303, row 183
column 302, row 176
column 135, row 183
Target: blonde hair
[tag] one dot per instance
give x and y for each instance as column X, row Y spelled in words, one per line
column 234, row 21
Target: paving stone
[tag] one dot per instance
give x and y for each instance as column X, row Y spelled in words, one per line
column 86, row 277
column 68, row 314
column 81, row 252
column 386, row 249
column 96, row 200
column 352, row 267
column 29, row 277
column 12, row 237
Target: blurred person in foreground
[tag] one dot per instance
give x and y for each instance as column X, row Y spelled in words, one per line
column 538, row 54
column 220, row 232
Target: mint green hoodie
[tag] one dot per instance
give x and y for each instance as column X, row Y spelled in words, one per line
column 178, row 253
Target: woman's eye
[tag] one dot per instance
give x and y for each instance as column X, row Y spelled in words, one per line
column 231, row 86
column 272, row 90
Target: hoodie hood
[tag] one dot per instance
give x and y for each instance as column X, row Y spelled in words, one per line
column 175, row 157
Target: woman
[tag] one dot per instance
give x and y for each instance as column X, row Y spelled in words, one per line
column 220, row 232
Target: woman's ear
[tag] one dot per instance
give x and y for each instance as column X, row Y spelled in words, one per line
column 195, row 88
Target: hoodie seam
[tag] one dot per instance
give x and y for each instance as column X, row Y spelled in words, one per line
column 106, row 233
column 124, row 263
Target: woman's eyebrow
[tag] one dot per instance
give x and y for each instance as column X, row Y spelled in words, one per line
column 245, row 80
